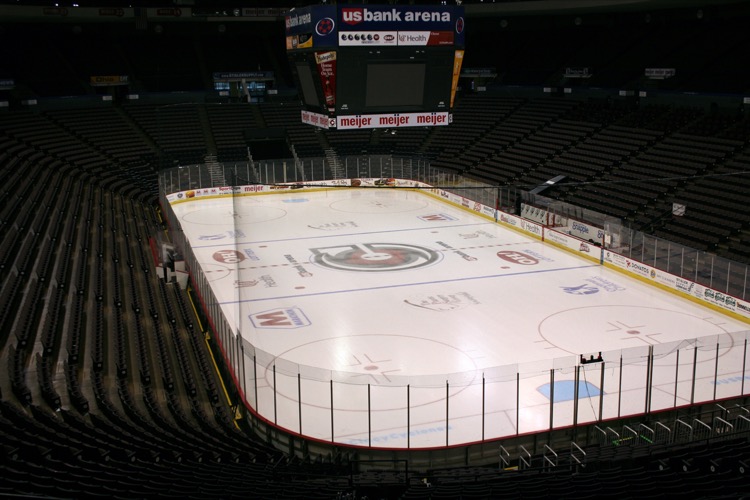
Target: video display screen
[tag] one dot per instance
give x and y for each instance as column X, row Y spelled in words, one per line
column 398, row 84
column 309, row 93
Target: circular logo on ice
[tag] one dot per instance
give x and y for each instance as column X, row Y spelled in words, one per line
column 517, row 257
column 228, row 256
column 325, row 26
column 374, row 257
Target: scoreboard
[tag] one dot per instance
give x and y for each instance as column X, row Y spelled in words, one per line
column 370, row 66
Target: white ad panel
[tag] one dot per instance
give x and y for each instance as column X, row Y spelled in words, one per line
column 370, row 38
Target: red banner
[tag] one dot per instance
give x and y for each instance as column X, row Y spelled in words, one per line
column 327, row 69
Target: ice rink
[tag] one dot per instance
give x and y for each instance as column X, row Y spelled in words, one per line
column 424, row 324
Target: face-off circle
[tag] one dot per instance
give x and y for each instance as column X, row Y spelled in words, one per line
column 610, row 327
column 381, row 203
column 374, row 257
column 231, row 217
column 383, row 360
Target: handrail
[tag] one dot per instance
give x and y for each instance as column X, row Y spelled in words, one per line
column 746, row 420
column 690, row 433
column 669, row 431
column 631, row 431
column 728, row 427
column 652, row 434
column 504, row 457
column 603, row 437
column 572, row 454
column 704, row 424
column 522, row 459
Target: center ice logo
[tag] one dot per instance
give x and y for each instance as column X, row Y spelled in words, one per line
column 372, row 257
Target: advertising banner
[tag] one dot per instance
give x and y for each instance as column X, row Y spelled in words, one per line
column 108, row 81
column 326, row 62
column 458, row 59
column 317, row 120
column 326, row 26
column 578, row 73
column 445, row 20
column 391, row 120
column 659, row 73
column 235, row 76
column 676, row 283
column 425, row 38
column 582, row 248
column 368, row 38
column 311, row 27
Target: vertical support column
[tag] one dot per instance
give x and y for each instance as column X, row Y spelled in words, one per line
column 483, row 406
column 332, row 433
column 601, row 392
column 716, row 368
column 619, row 390
column 244, row 375
column 649, row 379
column 552, row 398
column 274, row 393
column 518, row 402
column 299, row 400
column 255, row 382
column 497, row 204
column 447, row 410
column 676, row 375
column 369, row 418
column 695, row 365
column 408, row 416
column 744, row 360
column 576, row 395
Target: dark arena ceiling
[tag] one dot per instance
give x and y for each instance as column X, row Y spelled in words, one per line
column 498, row 7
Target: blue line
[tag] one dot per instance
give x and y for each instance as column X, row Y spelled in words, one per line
column 409, row 284
column 240, row 242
